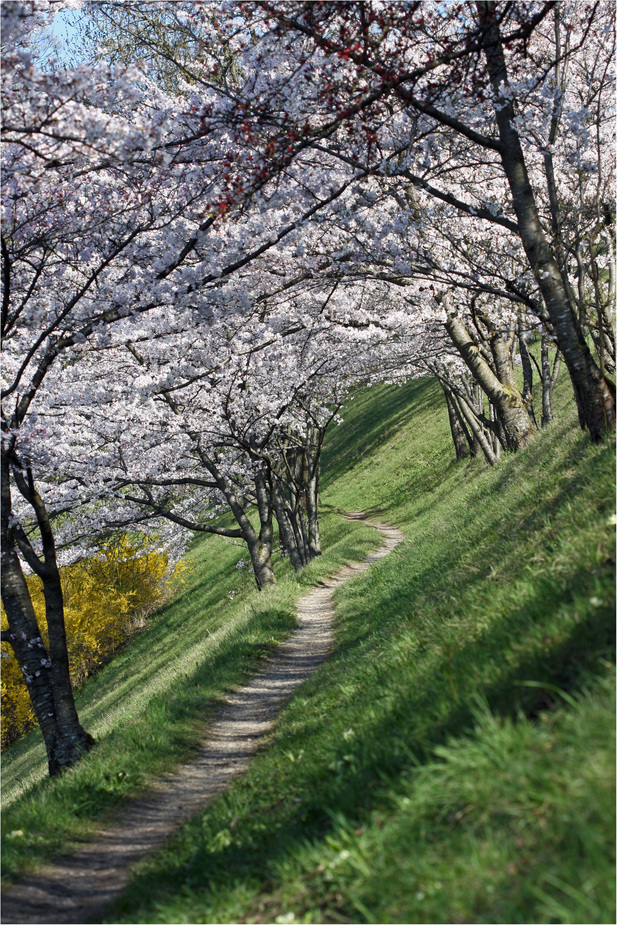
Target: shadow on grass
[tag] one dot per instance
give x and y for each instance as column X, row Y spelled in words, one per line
column 351, row 779
column 404, row 714
column 175, row 688
column 406, row 675
column 367, row 424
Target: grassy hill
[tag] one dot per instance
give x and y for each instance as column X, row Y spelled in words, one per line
column 453, row 762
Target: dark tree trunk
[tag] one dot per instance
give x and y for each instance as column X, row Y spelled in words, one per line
column 594, row 395
column 259, row 544
column 311, row 492
column 24, row 637
column 314, row 536
column 296, row 494
column 286, row 532
column 71, row 746
column 460, row 435
column 261, row 551
column 46, row 673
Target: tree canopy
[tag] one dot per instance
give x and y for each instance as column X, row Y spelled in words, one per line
column 225, row 216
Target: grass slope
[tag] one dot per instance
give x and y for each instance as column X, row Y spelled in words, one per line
column 453, row 762
column 148, row 706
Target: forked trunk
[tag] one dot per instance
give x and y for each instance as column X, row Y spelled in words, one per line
column 46, row 673
column 460, row 434
column 513, row 414
column 259, row 544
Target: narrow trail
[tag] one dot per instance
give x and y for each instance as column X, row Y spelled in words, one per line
column 80, row 886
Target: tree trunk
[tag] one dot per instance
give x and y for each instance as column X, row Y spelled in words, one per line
column 549, row 378
column 66, row 711
column 527, row 374
column 311, row 491
column 477, row 431
column 460, row 434
column 46, row 673
column 595, row 397
column 286, row 532
column 497, row 433
column 261, row 560
column 24, row 638
column 314, row 537
column 260, row 547
column 259, row 544
column 296, row 494
column 506, row 398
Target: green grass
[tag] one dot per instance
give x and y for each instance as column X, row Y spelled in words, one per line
column 147, row 707
column 454, row 760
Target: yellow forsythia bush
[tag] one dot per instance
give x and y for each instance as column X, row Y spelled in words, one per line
column 106, row 598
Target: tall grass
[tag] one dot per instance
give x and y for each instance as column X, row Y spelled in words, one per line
column 453, row 761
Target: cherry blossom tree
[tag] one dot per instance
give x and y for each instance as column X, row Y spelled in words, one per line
column 457, row 268
column 200, row 256
column 226, row 413
column 57, row 240
column 116, row 205
column 102, row 220
column 455, row 89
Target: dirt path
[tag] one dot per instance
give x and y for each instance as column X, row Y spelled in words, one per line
column 79, row 887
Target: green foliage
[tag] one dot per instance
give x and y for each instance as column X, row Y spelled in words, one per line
column 170, row 48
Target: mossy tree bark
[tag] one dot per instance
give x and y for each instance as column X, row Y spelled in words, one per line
column 595, row 396
column 507, row 399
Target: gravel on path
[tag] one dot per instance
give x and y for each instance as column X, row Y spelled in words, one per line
column 79, row 887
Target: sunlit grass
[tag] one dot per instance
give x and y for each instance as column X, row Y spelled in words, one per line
column 454, row 760
column 147, row 708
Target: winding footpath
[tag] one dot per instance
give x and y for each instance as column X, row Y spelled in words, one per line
column 80, row 886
